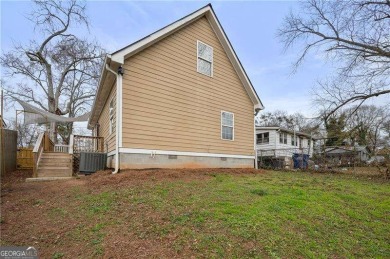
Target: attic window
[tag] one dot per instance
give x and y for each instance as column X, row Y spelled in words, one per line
column 205, row 59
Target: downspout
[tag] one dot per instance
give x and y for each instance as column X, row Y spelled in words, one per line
column 257, row 110
column 117, row 120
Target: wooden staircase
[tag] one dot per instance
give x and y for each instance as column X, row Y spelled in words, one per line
column 55, row 161
column 54, row 164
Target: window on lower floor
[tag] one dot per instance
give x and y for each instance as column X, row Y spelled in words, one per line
column 263, row 138
column 227, row 125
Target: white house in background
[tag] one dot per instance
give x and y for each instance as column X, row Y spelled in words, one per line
column 280, row 143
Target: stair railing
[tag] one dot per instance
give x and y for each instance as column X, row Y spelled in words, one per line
column 48, row 143
column 71, row 141
column 37, row 152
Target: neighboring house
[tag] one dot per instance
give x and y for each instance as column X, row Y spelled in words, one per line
column 280, row 145
column 346, row 155
column 177, row 98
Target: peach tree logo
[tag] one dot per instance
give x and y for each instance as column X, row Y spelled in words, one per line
column 18, row 252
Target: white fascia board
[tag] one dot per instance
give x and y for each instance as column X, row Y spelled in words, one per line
column 218, row 30
column 178, row 153
column 123, row 54
column 108, row 60
column 154, row 37
column 266, row 128
column 90, row 125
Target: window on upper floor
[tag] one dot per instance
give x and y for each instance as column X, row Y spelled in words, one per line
column 263, row 138
column 283, row 137
column 227, row 125
column 205, row 59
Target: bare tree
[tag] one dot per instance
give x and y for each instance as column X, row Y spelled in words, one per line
column 355, row 35
column 26, row 134
column 296, row 121
column 367, row 124
column 59, row 72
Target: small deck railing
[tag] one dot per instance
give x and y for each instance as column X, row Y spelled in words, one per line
column 76, row 145
column 87, row 144
column 60, row 148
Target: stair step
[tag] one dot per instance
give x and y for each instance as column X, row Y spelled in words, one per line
column 54, row 164
column 54, row 173
column 52, row 152
column 55, row 156
column 52, row 169
column 55, row 161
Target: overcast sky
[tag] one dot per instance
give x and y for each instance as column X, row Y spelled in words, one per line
column 250, row 26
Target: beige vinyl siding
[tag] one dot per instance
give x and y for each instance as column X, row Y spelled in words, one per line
column 104, row 120
column 168, row 105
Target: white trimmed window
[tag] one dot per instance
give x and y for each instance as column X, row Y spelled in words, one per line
column 111, row 114
column 227, row 125
column 205, row 59
column 283, row 138
column 263, row 138
column 294, row 142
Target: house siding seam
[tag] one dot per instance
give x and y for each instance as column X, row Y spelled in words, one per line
column 168, row 105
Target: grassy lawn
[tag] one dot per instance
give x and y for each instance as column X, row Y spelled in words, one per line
column 215, row 214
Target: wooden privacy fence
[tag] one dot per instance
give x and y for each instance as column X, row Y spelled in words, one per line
column 8, row 143
column 25, row 158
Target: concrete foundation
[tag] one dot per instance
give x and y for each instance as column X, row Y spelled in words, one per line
column 142, row 161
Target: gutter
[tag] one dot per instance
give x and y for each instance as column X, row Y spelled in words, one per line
column 118, row 115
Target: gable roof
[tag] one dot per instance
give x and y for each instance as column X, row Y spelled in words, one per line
column 118, row 57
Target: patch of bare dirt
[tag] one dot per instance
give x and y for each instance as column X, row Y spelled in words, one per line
column 104, row 178
column 40, row 214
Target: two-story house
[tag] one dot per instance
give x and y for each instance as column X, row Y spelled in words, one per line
column 178, row 97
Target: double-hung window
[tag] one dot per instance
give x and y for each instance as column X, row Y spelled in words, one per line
column 227, row 125
column 294, row 140
column 205, row 59
column 263, row 138
column 283, row 138
column 111, row 114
